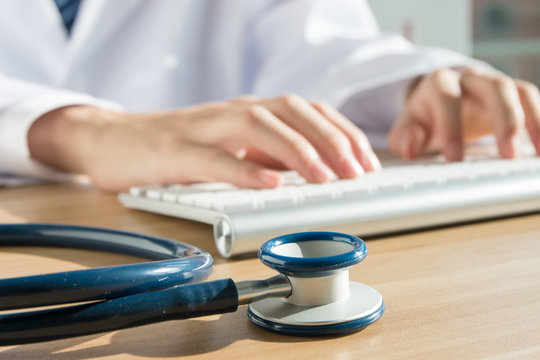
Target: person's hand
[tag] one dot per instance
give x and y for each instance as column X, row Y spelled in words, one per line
column 241, row 141
column 447, row 109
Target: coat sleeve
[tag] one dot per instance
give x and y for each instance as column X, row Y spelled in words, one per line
column 333, row 51
column 21, row 103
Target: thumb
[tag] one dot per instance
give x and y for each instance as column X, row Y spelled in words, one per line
column 408, row 137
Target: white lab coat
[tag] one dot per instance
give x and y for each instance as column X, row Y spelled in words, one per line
column 140, row 55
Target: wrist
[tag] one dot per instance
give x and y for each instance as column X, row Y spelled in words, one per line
column 64, row 138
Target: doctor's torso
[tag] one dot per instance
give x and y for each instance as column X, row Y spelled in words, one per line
column 141, row 54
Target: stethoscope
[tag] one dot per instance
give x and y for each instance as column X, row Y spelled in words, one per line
column 312, row 295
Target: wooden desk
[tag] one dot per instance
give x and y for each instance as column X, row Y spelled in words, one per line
column 463, row 292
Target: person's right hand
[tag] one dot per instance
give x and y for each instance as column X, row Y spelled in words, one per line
column 447, row 109
column 241, row 141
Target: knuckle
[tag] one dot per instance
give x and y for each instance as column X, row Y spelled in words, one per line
column 528, row 87
column 299, row 147
column 322, row 105
column 440, row 74
column 302, row 152
column 502, row 82
column 245, row 99
column 253, row 115
column 291, row 100
column 445, row 84
column 338, row 143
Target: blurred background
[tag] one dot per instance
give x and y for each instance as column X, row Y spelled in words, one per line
column 504, row 33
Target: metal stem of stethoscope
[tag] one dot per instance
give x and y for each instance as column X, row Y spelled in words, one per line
column 255, row 290
column 311, row 296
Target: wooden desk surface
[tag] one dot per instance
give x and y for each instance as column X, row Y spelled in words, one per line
column 462, row 292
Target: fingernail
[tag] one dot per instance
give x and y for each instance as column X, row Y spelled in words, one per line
column 313, row 154
column 320, row 172
column 269, row 178
column 405, row 145
column 374, row 160
column 536, row 143
column 350, row 167
column 317, row 170
column 454, row 150
column 508, row 148
column 516, row 143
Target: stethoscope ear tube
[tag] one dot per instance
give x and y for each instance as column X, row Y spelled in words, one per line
column 117, row 296
column 184, row 263
column 178, row 302
column 96, row 284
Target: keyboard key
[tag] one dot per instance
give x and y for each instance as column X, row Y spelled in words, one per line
column 144, row 191
column 237, row 205
column 386, row 185
column 189, row 199
column 136, row 191
column 170, row 196
column 354, row 188
column 292, row 178
column 312, row 193
column 279, row 200
column 153, row 193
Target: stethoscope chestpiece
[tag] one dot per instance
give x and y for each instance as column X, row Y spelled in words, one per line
column 323, row 301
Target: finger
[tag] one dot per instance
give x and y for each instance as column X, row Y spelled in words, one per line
column 329, row 141
column 446, row 110
column 501, row 99
column 530, row 101
column 408, row 137
column 361, row 148
column 257, row 127
column 214, row 164
column 240, row 128
column 257, row 156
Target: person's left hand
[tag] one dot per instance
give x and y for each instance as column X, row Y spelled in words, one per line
column 446, row 109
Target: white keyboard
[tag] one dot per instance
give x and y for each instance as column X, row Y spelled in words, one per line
column 393, row 199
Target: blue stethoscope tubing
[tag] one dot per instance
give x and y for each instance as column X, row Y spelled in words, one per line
column 116, row 297
column 312, row 295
